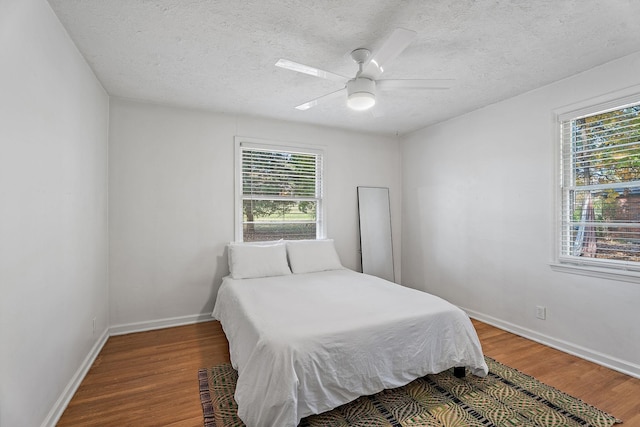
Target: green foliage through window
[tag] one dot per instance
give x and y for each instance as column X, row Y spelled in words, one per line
column 281, row 194
column 601, row 185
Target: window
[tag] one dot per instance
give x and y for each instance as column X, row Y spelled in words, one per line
column 278, row 191
column 600, row 186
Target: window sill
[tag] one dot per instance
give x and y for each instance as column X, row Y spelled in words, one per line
column 603, row 273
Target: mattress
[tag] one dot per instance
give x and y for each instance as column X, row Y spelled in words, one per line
column 306, row 343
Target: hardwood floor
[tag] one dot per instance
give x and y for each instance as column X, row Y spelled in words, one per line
column 150, row 378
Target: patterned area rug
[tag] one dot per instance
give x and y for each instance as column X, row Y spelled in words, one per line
column 506, row 397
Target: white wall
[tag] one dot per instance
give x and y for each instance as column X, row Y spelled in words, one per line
column 171, row 203
column 478, row 219
column 53, row 211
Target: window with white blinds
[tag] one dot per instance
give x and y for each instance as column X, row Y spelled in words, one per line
column 280, row 192
column 600, row 171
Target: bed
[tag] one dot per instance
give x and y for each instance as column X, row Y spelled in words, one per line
column 307, row 335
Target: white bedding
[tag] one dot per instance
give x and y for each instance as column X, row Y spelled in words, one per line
column 307, row 343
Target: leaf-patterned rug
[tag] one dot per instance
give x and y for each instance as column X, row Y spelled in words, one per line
column 506, row 397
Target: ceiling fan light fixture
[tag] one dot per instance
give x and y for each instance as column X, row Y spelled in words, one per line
column 361, row 94
column 361, row 101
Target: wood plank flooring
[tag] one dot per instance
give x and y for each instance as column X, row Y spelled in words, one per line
column 150, row 378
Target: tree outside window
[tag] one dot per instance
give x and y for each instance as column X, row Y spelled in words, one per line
column 281, row 194
column 601, row 185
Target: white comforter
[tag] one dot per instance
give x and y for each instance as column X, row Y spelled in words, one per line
column 306, row 343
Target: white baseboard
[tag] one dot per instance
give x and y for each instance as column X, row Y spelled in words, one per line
column 129, row 328
column 61, row 404
column 605, row 360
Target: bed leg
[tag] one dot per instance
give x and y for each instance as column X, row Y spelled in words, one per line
column 459, row 371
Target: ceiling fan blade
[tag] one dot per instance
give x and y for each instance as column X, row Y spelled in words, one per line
column 324, row 98
column 390, row 49
column 312, row 71
column 414, row 84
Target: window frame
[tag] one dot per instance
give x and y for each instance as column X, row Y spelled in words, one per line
column 289, row 147
column 603, row 268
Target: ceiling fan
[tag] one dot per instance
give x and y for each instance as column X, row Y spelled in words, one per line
column 361, row 89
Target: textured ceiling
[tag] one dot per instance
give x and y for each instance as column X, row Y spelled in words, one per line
column 220, row 55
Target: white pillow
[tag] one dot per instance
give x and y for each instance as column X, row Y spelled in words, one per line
column 247, row 261
column 309, row 256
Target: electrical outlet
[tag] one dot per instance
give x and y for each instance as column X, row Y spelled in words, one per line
column 94, row 326
column 541, row 312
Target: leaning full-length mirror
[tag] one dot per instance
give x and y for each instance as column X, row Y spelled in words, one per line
column 375, row 232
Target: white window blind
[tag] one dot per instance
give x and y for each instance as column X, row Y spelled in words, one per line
column 600, row 171
column 281, row 193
